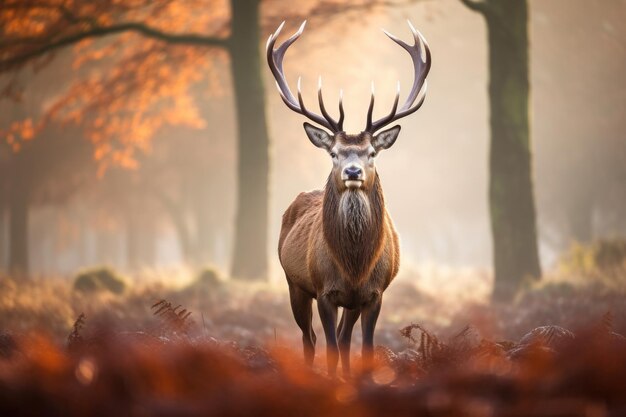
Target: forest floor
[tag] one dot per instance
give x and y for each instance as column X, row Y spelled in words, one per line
column 442, row 349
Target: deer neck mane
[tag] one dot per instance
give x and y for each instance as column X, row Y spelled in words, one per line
column 353, row 228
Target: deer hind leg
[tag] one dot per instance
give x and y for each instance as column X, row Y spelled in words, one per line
column 368, row 324
column 346, row 324
column 301, row 306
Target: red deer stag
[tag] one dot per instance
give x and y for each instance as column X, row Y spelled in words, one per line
column 339, row 245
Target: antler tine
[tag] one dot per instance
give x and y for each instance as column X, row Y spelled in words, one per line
column 421, row 68
column 300, row 100
column 395, row 101
column 387, row 119
column 275, row 62
column 415, row 108
column 341, row 114
column 275, row 59
column 323, row 108
column 370, row 111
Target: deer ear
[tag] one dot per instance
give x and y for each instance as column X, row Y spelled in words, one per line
column 318, row 137
column 386, row 138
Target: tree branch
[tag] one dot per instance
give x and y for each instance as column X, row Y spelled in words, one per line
column 479, row 6
column 94, row 32
column 331, row 9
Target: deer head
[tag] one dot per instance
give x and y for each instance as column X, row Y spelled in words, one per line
column 353, row 155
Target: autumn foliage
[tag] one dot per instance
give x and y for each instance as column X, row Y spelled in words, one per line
column 136, row 66
column 126, row 87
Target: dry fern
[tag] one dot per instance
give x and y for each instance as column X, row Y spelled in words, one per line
column 75, row 339
column 432, row 351
column 173, row 319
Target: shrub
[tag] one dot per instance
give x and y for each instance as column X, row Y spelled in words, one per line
column 208, row 277
column 100, row 279
column 602, row 258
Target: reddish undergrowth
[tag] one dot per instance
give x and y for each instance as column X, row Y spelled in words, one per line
column 172, row 371
column 238, row 354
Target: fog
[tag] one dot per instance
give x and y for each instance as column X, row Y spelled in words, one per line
column 435, row 178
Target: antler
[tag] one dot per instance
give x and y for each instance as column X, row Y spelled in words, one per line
column 421, row 68
column 275, row 61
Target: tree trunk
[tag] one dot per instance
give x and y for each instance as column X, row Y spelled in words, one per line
column 179, row 222
column 3, row 245
column 511, row 199
column 18, row 228
column 249, row 259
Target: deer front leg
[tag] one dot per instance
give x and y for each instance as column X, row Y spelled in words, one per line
column 369, row 316
column 348, row 318
column 328, row 315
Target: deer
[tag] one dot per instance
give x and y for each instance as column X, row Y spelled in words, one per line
column 339, row 245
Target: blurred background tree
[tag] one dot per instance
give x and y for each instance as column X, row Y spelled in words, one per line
column 123, row 91
column 44, row 171
column 511, row 194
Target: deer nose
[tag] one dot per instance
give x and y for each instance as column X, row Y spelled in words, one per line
column 353, row 172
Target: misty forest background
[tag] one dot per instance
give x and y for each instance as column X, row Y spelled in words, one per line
column 148, row 135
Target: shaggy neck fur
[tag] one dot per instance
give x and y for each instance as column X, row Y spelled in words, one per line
column 353, row 227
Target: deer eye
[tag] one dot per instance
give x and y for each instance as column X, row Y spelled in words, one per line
column 333, row 155
column 373, row 154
